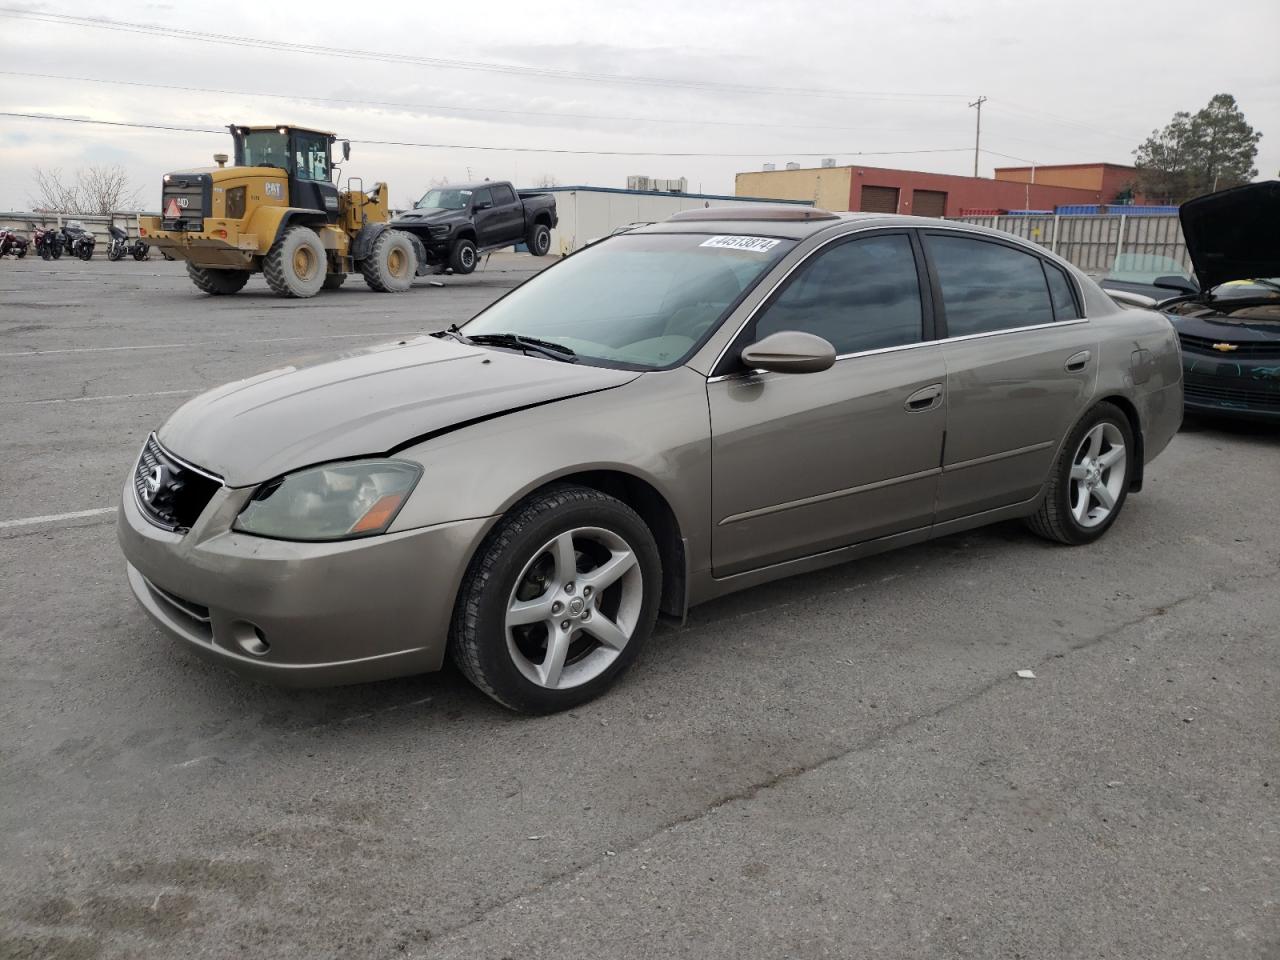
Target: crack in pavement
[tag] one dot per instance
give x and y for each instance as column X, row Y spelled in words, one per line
column 750, row 792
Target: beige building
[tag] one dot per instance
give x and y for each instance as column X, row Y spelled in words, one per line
column 825, row 187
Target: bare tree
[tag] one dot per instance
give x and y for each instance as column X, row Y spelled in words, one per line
column 98, row 189
column 547, row 180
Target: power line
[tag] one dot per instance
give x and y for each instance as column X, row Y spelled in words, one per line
column 104, row 23
column 422, row 106
column 472, row 146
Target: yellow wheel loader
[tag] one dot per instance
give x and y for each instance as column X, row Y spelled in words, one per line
column 277, row 211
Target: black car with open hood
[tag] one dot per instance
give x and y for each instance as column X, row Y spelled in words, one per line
column 1230, row 330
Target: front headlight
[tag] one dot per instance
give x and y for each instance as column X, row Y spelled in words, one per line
column 337, row 501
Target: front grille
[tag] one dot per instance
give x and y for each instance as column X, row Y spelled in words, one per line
column 172, row 494
column 1262, row 348
column 192, row 189
column 1199, row 391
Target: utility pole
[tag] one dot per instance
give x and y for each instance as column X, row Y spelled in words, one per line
column 977, row 140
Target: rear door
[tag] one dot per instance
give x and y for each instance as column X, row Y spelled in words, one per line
column 803, row 463
column 508, row 215
column 1021, row 364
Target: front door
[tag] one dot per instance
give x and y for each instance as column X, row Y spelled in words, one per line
column 803, row 463
column 484, row 216
column 1021, row 363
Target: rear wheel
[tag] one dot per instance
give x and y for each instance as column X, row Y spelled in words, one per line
column 295, row 264
column 391, row 263
column 1090, row 479
column 141, row 251
column 217, row 283
column 538, row 239
column 332, row 281
column 558, row 600
column 22, row 252
column 463, row 256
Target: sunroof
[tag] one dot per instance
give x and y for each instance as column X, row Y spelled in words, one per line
column 790, row 212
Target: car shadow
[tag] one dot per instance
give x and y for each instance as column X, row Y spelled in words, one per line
column 1251, row 431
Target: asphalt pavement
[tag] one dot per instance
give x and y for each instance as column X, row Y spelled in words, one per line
column 840, row 765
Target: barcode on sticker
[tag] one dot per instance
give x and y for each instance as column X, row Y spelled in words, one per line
column 754, row 244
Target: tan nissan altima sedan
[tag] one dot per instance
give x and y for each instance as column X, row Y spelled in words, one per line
column 684, row 410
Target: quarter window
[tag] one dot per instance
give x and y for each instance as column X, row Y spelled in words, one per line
column 1064, row 304
column 860, row 295
column 987, row 286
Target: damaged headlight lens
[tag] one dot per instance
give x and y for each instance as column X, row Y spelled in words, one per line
column 337, row 501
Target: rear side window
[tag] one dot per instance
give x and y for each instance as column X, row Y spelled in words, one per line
column 987, row 286
column 860, row 295
column 1064, row 304
column 502, row 194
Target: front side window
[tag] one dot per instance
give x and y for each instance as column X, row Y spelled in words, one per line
column 637, row 300
column 860, row 295
column 480, row 198
column 987, row 286
column 311, row 158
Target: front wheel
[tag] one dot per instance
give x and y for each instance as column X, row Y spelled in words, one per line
column 463, row 257
column 217, row 283
column 296, row 263
column 391, row 263
column 557, row 601
column 115, row 252
column 22, row 252
column 141, row 252
column 1090, row 479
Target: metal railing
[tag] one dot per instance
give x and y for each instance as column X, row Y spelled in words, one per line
column 20, row 222
column 1093, row 242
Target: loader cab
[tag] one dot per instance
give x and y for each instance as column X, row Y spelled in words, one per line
column 304, row 155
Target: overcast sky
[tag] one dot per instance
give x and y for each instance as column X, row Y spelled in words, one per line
column 1067, row 82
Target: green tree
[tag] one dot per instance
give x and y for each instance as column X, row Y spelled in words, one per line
column 1198, row 153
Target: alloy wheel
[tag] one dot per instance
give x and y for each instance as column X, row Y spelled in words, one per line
column 574, row 608
column 1098, row 474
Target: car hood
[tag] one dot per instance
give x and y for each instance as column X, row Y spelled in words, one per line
column 428, row 216
column 1227, row 330
column 1232, row 235
column 367, row 403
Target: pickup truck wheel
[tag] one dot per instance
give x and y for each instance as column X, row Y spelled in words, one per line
column 217, row 283
column 463, row 257
column 391, row 264
column 538, row 240
column 295, row 264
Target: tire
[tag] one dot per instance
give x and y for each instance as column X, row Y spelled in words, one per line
column 295, row 265
column 141, row 252
column 22, row 253
column 463, row 257
column 332, row 281
column 86, row 253
column 1082, row 482
column 115, row 252
column 217, row 283
column 519, row 555
column 538, row 239
column 391, row 264
column 56, row 251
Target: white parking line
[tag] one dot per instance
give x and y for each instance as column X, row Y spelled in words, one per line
column 55, row 517
column 209, row 343
column 109, row 396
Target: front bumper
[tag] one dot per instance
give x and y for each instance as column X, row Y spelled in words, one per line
column 1248, row 388
column 299, row 614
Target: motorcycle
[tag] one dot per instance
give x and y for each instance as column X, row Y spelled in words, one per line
column 48, row 241
column 119, row 246
column 11, row 243
column 78, row 240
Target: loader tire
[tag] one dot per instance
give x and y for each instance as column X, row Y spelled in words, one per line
column 217, row 283
column 295, row 265
column 391, row 263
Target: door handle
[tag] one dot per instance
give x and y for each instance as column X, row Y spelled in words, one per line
column 1078, row 361
column 926, row 398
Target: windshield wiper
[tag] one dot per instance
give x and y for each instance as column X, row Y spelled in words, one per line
column 529, row 344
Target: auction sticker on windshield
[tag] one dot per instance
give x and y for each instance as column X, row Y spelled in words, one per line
column 754, row 244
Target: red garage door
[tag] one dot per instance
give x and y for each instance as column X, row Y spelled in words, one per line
column 928, row 203
column 879, row 199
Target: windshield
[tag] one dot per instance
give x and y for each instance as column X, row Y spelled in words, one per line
column 444, row 199
column 640, row 300
column 266, row 148
column 1145, row 268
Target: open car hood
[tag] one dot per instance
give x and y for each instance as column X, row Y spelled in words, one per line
column 1234, row 234
column 369, row 402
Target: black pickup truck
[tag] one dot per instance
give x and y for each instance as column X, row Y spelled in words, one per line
column 456, row 223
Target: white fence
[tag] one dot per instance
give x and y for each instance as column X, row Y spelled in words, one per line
column 1092, row 243
column 22, row 223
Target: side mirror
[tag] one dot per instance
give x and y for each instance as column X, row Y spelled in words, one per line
column 1181, row 284
column 790, row 351
column 482, row 205
column 346, row 149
